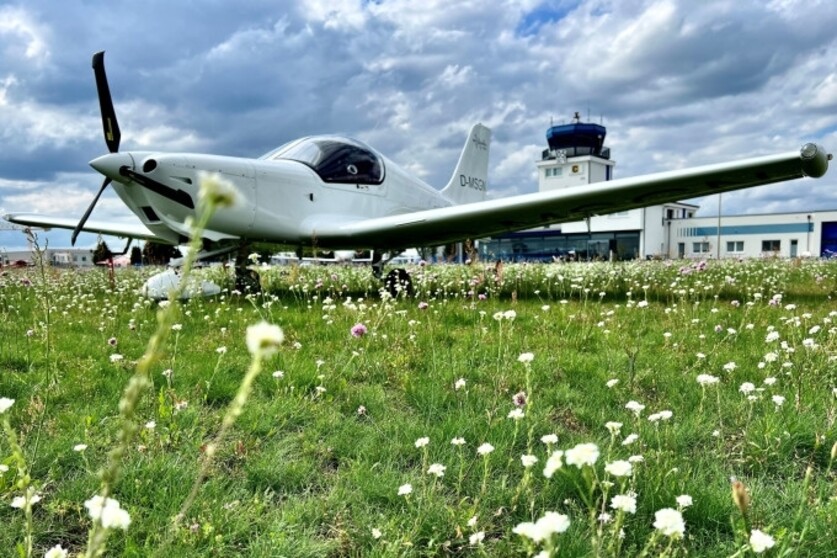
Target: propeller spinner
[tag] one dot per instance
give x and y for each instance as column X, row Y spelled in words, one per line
column 110, row 127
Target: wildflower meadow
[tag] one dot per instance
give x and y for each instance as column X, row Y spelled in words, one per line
column 603, row 409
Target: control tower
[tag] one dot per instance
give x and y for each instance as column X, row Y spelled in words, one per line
column 576, row 156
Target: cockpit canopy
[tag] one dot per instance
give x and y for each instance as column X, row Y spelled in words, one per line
column 334, row 159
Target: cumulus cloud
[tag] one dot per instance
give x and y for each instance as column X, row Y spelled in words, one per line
column 677, row 83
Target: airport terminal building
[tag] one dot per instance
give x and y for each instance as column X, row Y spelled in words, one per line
column 576, row 155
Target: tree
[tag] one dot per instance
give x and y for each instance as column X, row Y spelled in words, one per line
column 136, row 256
column 155, row 253
column 101, row 253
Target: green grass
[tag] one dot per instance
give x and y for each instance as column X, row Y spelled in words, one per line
column 315, row 462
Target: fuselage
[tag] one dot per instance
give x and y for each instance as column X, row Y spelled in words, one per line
column 281, row 200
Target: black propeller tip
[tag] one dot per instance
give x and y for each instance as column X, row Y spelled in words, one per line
column 109, row 123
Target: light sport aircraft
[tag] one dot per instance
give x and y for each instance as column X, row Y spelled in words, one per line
column 338, row 193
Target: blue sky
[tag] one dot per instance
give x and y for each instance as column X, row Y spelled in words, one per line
column 678, row 83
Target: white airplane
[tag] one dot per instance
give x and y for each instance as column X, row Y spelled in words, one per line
column 338, row 193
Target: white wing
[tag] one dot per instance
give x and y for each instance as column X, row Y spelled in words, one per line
column 114, row 229
column 481, row 219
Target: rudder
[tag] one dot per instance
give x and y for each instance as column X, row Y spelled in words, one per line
column 470, row 177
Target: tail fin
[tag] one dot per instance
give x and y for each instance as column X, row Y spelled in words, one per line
column 469, row 180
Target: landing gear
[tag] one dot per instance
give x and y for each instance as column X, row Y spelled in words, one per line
column 246, row 279
column 397, row 282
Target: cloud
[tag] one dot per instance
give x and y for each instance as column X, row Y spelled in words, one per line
column 677, row 83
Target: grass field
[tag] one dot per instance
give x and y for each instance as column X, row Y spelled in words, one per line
column 623, row 398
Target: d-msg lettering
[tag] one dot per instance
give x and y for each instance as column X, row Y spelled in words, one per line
column 472, row 182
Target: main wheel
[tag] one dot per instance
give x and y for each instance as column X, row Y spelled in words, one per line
column 398, row 282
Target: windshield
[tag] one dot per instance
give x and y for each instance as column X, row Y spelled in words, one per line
column 338, row 160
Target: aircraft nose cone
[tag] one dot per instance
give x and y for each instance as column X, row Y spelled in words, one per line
column 110, row 164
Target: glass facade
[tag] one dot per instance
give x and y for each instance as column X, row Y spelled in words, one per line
column 548, row 246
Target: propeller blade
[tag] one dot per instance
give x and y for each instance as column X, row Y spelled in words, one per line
column 109, row 123
column 88, row 212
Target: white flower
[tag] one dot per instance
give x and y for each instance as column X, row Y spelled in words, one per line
column 730, row 366
column 421, row 442
column 485, row 449
column 769, row 381
column 151, row 425
column 778, row 400
column 79, row 447
column 760, row 541
column 553, row 522
column 56, row 552
column 747, row 388
column 278, row 374
column 669, row 522
column 108, row 511
column 473, row 521
column 636, row 459
column 459, row 384
column 217, row 190
column 437, row 469
column 5, row 404
column 619, row 468
column 116, row 357
column 582, row 454
column 635, row 407
column 613, row 427
column 405, row 489
column 376, row 533
column 221, row 350
column 526, row 358
column 20, row 501
column 684, row 500
column 545, row 527
column 263, row 339
column 516, row 414
column 509, row 314
column 476, row 538
column 3, row 468
column 611, row 383
column 549, row 439
column 458, row 441
column 630, row 439
column 553, row 464
column 707, row 379
column 528, row 460
column 624, row 502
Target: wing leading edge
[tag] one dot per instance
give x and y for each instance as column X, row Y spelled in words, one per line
column 481, row 219
column 113, row 229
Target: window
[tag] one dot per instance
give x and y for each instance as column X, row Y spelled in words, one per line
column 335, row 159
column 700, row 247
column 771, row 245
column 735, row 246
column 557, row 171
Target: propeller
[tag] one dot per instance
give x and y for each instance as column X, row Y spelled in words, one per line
column 110, row 126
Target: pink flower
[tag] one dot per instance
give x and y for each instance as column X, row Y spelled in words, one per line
column 358, row 330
